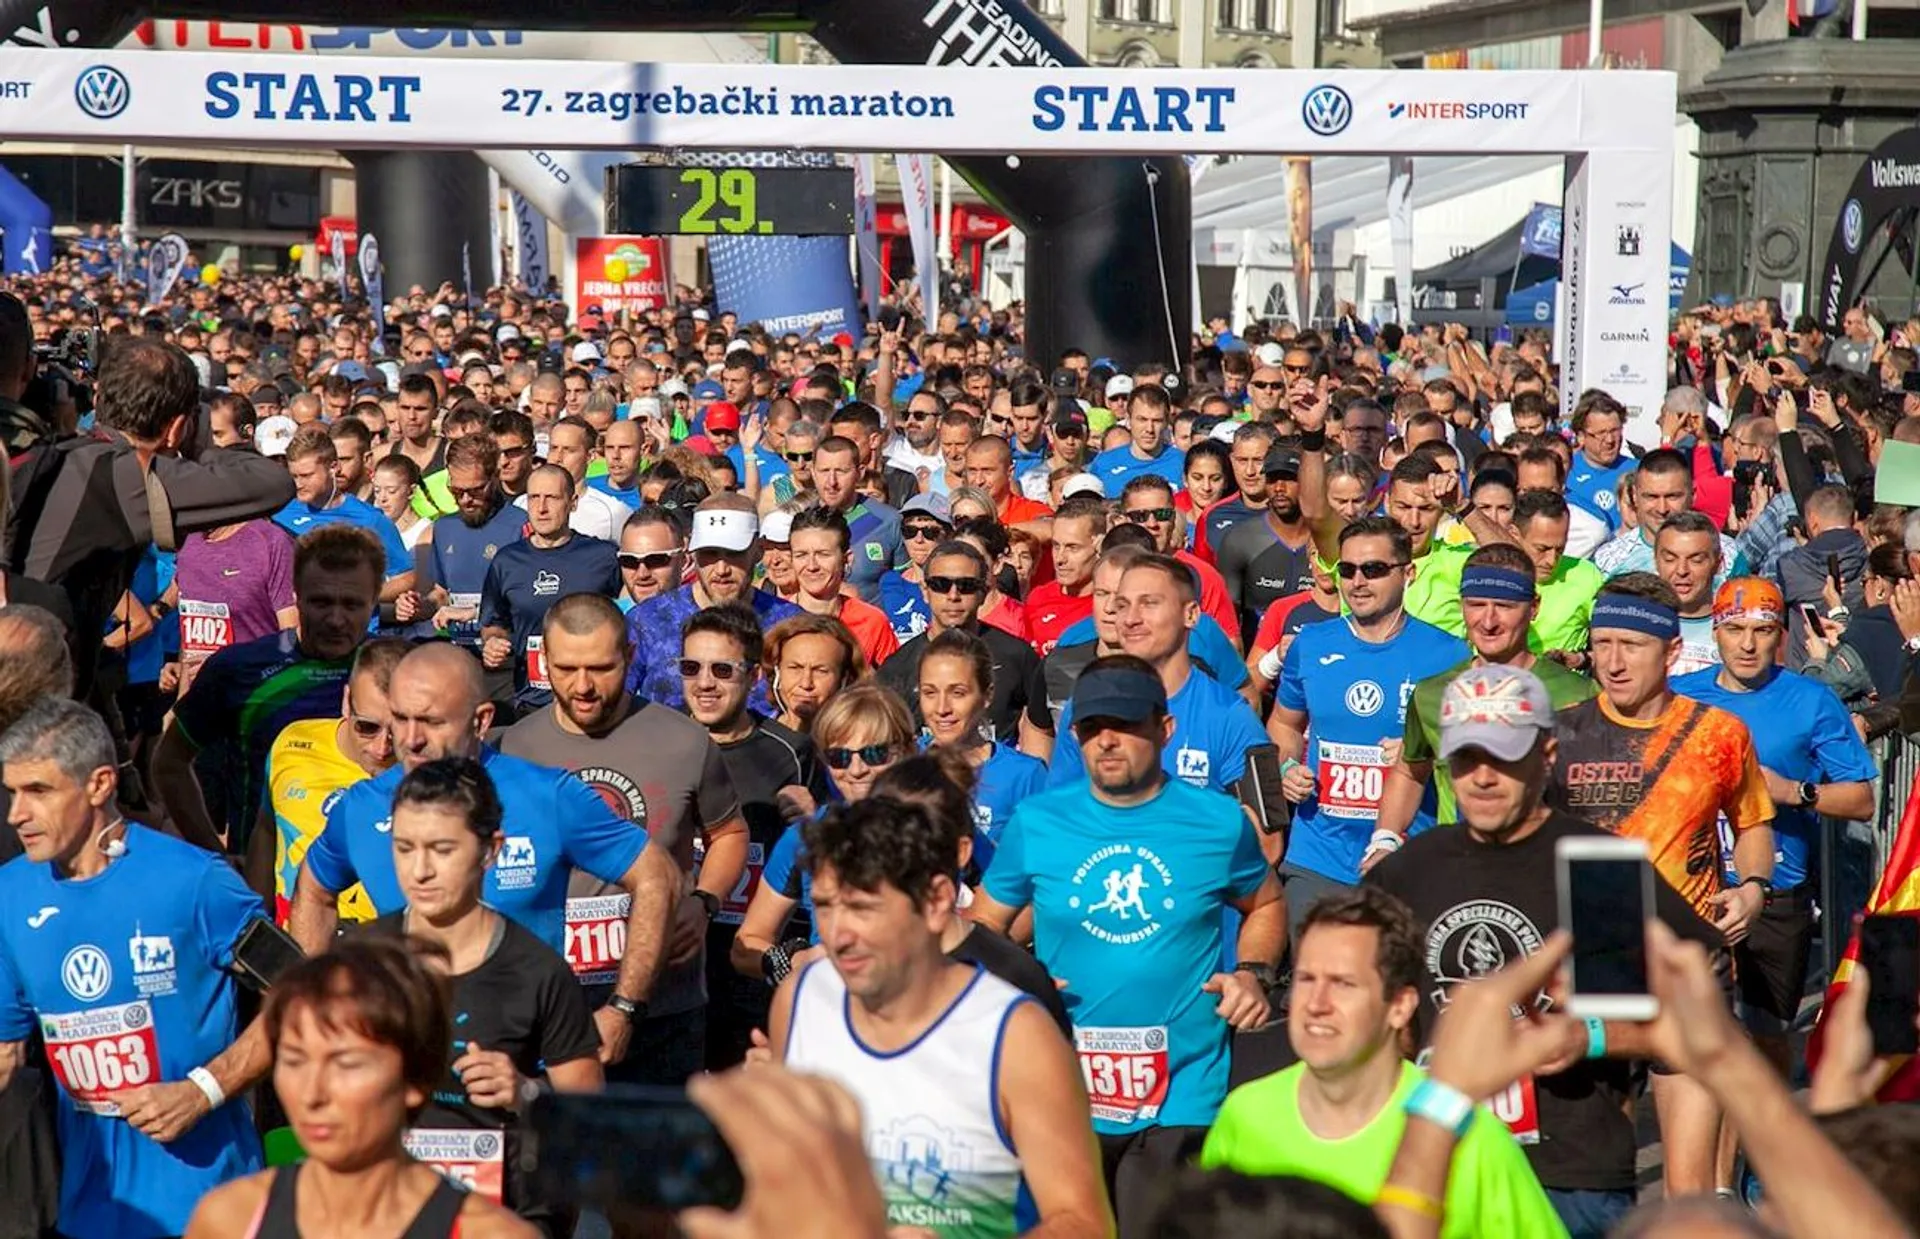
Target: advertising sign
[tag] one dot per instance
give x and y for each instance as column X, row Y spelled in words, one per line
column 620, row 273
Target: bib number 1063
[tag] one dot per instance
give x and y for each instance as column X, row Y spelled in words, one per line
column 104, row 1065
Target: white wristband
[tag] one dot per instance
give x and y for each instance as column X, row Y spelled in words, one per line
column 204, row 1081
column 1270, row 664
column 1385, row 838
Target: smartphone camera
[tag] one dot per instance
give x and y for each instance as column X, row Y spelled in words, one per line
column 629, row 1152
column 1606, row 896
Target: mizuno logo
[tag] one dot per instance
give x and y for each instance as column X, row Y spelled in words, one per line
column 41, row 917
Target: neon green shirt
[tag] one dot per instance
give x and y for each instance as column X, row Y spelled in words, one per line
column 1564, row 688
column 1434, row 593
column 1566, row 604
column 1491, row 1190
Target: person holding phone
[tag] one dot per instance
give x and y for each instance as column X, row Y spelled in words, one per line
column 1492, row 883
column 518, row 1013
column 378, row 1003
column 1645, row 762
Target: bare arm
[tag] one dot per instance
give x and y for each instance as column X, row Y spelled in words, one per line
column 577, row 1075
column 766, row 918
column 12, row 1055
column 726, row 858
column 1033, row 741
column 988, row 911
column 258, row 867
column 1263, row 927
column 1043, row 1104
column 653, row 884
column 1288, row 731
column 315, row 913
column 1850, row 801
column 179, row 789
column 1406, row 784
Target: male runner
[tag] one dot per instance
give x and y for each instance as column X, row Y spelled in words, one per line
column 1686, row 555
column 1055, row 606
column 1341, row 710
column 1270, row 555
column 956, row 581
column 975, row 1114
column 661, row 770
column 1128, row 876
column 438, row 705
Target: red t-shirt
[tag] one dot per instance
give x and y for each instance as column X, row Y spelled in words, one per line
column 870, row 629
column 1213, row 593
column 1009, row 617
column 1051, row 611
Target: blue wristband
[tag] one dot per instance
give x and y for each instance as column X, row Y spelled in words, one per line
column 1442, row 1105
column 1596, row 1038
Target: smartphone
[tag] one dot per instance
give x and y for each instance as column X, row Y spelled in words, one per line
column 1503, row 334
column 1811, row 616
column 264, row 953
column 630, row 1152
column 1606, row 896
column 1890, row 952
column 1833, row 573
column 889, row 318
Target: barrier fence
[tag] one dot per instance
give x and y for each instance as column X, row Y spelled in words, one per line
column 1853, row 855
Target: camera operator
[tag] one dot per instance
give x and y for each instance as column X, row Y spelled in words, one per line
column 150, row 457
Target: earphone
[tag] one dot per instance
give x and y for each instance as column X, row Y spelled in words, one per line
column 113, row 849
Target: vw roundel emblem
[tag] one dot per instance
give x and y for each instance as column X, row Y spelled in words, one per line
column 102, row 92
column 85, row 972
column 1327, row 110
column 1852, row 226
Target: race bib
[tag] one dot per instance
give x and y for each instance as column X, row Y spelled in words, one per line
column 1517, row 1107
column 465, row 631
column 536, row 664
column 597, row 937
column 205, row 627
column 1352, row 778
column 733, row 909
column 99, row 1052
column 1125, row 1070
column 474, row 1160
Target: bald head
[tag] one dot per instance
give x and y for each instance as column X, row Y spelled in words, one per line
column 448, row 667
column 438, row 702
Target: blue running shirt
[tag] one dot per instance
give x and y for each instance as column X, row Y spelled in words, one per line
column 1128, row 908
column 124, row 976
column 1212, row 730
column 1354, row 694
column 554, row 824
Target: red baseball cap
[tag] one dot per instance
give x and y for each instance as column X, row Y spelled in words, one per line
column 722, row 416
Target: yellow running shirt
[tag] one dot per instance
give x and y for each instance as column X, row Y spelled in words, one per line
column 306, row 772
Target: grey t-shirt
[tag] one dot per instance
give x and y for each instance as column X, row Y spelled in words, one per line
column 663, row 771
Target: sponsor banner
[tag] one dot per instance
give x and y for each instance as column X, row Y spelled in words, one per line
column 1540, row 236
column 239, row 98
column 620, row 273
column 373, row 280
column 799, row 284
column 530, row 265
column 339, row 254
column 916, row 192
column 1400, row 230
column 866, row 237
column 1617, row 259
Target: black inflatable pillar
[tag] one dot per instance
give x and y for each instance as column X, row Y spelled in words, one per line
column 423, row 206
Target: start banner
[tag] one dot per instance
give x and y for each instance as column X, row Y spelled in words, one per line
column 356, row 101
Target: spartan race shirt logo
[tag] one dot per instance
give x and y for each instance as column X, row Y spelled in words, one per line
column 1470, row 940
column 621, row 793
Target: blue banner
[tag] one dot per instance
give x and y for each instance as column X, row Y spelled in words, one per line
column 1679, row 267
column 26, row 228
column 798, row 284
column 1540, row 235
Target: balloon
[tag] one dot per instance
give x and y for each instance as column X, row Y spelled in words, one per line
column 210, row 274
column 296, row 252
column 615, row 269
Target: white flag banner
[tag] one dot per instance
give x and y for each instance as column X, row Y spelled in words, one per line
column 1400, row 231
column 340, row 268
column 866, row 235
column 375, row 282
column 166, row 259
column 530, row 263
column 916, row 196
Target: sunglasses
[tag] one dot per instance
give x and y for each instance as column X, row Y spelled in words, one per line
column 1300, row 370
column 799, row 458
column 367, row 728
column 917, row 415
column 1372, row 570
column 956, row 584
column 1141, row 516
column 1266, row 385
column 871, row 754
column 652, row 562
column 471, row 492
column 932, row 533
column 723, row 671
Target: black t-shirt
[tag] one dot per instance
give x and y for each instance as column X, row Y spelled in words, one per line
column 771, row 757
column 524, row 1002
column 1004, row 959
column 1485, row 905
column 1016, row 679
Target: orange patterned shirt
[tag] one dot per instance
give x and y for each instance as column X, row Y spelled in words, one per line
column 1667, row 781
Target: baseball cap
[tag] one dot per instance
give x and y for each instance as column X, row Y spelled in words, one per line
column 443, row 310
column 1065, row 382
column 352, row 371
column 273, row 434
column 1070, row 421
column 672, row 387
column 1224, row 430
column 1083, row 484
column 1120, row 385
column 1269, row 354
column 507, row 332
column 1282, row 460
column 935, row 506
column 722, row 415
column 701, row 316
column 707, row 389
column 1118, row 692
column 722, row 528
column 1500, row 709
column 591, row 322
column 585, row 351
column 777, row 528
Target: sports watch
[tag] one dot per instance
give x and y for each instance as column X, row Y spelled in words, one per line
column 1809, row 793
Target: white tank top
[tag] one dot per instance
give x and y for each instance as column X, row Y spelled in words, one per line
column 931, row 1109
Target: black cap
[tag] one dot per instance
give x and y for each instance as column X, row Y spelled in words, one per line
column 1070, row 420
column 1118, row 692
column 1282, row 459
column 1065, row 381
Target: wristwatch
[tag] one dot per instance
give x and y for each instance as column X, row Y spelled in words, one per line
column 1809, row 793
column 1765, row 885
column 709, row 901
column 1266, row 975
column 777, row 962
column 634, row 1011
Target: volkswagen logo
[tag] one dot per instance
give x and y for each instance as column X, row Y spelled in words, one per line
column 1852, row 226
column 1364, row 699
column 1327, row 110
column 102, row 92
column 85, row 972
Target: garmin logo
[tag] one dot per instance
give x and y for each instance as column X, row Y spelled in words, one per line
column 1642, row 336
column 1888, row 174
